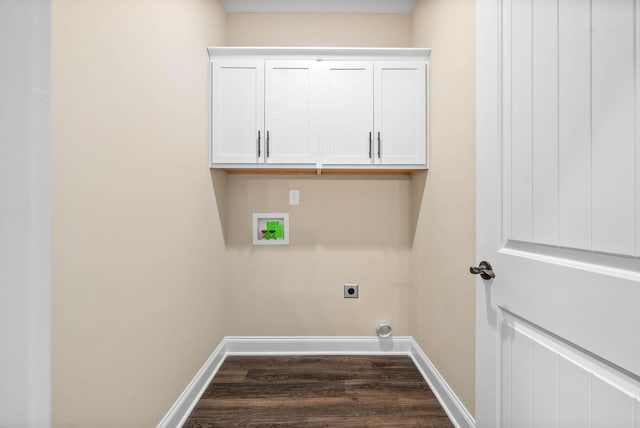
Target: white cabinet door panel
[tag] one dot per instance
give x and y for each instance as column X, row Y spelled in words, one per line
column 400, row 113
column 347, row 113
column 237, row 110
column 291, row 112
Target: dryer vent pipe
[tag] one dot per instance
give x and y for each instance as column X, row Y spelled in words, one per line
column 383, row 329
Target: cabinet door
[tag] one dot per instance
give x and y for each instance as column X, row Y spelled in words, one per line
column 347, row 113
column 237, row 109
column 400, row 113
column 290, row 112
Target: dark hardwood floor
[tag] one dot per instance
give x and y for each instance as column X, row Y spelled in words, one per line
column 318, row 391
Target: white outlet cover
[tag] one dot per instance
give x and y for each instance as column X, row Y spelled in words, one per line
column 294, row 197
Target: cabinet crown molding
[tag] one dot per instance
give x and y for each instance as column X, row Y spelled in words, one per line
column 402, row 7
column 319, row 53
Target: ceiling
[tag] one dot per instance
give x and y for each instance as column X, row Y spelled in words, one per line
column 404, row 7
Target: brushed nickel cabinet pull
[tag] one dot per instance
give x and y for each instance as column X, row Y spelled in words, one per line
column 259, row 151
column 268, row 148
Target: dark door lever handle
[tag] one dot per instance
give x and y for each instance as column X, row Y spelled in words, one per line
column 484, row 270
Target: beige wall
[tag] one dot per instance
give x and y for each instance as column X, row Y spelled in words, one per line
column 290, row 29
column 152, row 259
column 339, row 231
column 442, row 296
column 138, row 255
column 344, row 230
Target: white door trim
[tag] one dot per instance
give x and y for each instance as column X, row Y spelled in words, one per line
column 25, row 214
column 488, row 141
column 300, row 345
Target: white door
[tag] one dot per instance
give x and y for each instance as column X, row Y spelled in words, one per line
column 347, row 113
column 291, row 126
column 400, row 113
column 558, row 200
column 237, row 109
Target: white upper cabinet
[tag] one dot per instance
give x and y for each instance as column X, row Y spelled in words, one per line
column 263, row 112
column 337, row 108
column 374, row 113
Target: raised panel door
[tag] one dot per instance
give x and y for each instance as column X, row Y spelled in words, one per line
column 558, row 204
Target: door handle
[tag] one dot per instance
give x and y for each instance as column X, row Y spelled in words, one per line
column 379, row 145
column 484, row 270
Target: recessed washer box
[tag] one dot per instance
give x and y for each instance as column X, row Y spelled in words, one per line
column 270, row 229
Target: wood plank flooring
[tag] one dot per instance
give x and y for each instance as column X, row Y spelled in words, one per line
column 318, row 391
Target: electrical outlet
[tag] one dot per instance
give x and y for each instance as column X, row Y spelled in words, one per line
column 351, row 291
column 294, row 197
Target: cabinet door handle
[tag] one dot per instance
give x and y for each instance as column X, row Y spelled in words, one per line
column 259, row 151
column 379, row 145
column 370, row 144
column 268, row 151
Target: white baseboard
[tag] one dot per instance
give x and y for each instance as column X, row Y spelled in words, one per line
column 313, row 345
column 449, row 401
column 318, row 345
column 182, row 408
